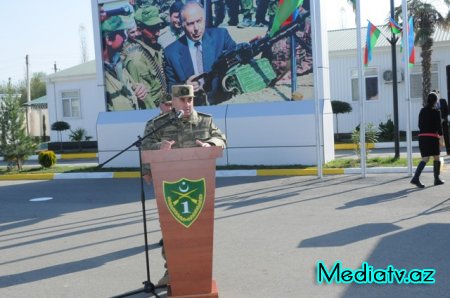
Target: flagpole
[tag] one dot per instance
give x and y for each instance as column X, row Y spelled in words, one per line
column 393, row 42
column 362, row 91
column 293, row 65
column 407, row 85
column 316, row 28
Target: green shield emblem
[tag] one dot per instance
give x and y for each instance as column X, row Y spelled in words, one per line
column 185, row 199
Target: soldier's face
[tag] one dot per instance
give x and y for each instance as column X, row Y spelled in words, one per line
column 165, row 107
column 115, row 41
column 134, row 33
column 194, row 22
column 151, row 36
column 185, row 104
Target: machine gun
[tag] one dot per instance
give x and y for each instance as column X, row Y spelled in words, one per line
column 244, row 53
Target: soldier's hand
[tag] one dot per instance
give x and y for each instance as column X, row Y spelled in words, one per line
column 202, row 144
column 195, row 84
column 140, row 90
column 166, row 145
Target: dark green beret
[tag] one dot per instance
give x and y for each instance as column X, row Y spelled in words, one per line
column 148, row 16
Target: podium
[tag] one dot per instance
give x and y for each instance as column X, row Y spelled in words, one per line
column 184, row 183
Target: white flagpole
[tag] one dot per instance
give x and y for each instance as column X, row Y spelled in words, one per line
column 406, row 46
column 318, row 94
column 362, row 91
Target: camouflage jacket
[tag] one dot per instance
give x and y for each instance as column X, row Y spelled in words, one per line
column 145, row 65
column 184, row 132
column 119, row 94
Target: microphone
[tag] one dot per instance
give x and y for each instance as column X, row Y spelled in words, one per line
column 179, row 114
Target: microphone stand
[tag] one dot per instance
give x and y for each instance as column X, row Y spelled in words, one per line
column 149, row 287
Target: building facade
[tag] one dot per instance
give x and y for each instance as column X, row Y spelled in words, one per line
column 378, row 74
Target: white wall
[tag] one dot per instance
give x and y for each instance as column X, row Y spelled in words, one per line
column 36, row 127
column 92, row 102
column 277, row 133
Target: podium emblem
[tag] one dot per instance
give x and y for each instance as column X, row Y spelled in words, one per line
column 185, row 199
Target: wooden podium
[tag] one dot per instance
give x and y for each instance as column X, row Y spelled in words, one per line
column 184, row 183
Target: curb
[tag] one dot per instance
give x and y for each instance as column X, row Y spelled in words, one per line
column 220, row 173
column 69, row 156
column 383, row 145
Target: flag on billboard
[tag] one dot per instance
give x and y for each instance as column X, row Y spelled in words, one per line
column 395, row 28
column 412, row 52
column 372, row 36
column 284, row 10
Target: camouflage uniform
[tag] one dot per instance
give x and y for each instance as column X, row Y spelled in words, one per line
column 273, row 4
column 145, row 63
column 145, row 66
column 247, row 10
column 118, row 83
column 265, row 6
column 198, row 126
column 119, row 96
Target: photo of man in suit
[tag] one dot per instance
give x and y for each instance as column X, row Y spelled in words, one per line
column 195, row 53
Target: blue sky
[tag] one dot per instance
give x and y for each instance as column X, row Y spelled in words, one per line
column 48, row 31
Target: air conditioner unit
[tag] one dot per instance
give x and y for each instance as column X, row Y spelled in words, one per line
column 388, row 76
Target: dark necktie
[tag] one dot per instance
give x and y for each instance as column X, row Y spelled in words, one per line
column 199, row 58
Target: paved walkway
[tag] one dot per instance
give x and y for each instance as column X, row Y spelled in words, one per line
column 270, row 235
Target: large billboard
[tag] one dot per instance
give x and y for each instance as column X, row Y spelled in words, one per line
column 224, row 48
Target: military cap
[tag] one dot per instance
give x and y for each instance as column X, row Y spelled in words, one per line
column 182, row 91
column 166, row 98
column 114, row 23
column 148, row 16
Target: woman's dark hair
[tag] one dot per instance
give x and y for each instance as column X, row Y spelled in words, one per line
column 432, row 99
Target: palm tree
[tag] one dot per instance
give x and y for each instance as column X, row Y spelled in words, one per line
column 426, row 20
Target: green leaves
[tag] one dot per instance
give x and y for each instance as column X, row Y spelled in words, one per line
column 15, row 144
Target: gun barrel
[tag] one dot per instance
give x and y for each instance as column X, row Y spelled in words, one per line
column 267, row 41
column 120, row 11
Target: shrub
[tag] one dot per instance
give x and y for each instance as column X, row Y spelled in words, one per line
column 47, row 158
column 79, row 135
column 371, row 137
column 386, row 131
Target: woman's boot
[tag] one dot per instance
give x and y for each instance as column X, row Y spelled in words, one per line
column 415, row 180
column 437, row 171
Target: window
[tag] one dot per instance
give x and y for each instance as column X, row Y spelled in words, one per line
column 371, row 75
column 417, row 79
column 71, row 103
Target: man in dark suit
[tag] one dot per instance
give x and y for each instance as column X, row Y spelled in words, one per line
column 195, row 53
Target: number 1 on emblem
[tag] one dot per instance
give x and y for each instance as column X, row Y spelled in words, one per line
column 186, row 207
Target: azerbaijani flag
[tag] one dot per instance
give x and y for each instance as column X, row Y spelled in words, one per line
column 284, row 10
column 412, row 52
column 395, row 28
column 372, row 36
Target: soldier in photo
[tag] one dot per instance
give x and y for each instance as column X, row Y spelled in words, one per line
column 247, row 11
column 121, row 92
column 144, row 57
column 174, row 30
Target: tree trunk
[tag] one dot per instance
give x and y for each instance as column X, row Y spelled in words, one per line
column 426, row 68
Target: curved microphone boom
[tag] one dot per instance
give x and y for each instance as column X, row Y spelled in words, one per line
column 180, row 114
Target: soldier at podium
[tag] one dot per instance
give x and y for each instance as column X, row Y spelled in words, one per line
column 187, row 128
column 194, row 129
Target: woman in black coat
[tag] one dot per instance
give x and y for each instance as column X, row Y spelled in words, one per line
column 430, row 135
